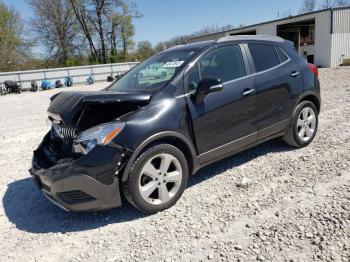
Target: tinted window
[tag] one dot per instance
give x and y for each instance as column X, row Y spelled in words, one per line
column 283, row 57
column 193, row 79
column 225, row 63
column 264, row 56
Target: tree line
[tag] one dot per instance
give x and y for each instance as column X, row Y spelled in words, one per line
column 71, row 32
column 79, row 32
column 93, row 29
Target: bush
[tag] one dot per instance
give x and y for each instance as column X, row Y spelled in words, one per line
column 70, row 62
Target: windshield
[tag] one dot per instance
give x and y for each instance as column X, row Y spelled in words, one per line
column 154, row 73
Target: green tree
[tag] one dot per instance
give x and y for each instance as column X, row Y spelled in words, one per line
column 144, row 50
column 127, row 31
column 179, row 40
column 106, row 24
column 82, row 13
column 13, row 49
column 123, row 30
column 56, row 29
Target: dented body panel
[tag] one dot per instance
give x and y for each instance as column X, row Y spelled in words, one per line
column 85, row 183
column 81, row 109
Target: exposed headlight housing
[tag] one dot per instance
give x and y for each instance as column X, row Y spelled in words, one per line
column 98, row 135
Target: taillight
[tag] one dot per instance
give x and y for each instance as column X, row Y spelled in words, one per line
column 314, row 69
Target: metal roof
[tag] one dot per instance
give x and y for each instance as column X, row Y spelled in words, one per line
column 272, row 21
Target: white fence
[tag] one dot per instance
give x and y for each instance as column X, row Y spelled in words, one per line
column 79, row 73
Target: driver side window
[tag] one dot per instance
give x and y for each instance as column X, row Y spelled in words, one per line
column 224, row 63
column 193, row 79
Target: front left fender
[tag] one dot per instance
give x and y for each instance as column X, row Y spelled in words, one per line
column 159, row 137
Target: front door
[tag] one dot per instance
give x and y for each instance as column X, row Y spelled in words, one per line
column 225, row 119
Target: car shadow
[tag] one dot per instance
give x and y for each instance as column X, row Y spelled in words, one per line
column 272, row 146
column 30, row 211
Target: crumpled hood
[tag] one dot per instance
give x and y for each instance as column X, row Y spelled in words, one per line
column 71, row 107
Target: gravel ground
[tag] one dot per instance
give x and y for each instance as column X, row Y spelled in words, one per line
column 272, row 203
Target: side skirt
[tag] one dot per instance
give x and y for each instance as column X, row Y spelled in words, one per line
column 252, row 140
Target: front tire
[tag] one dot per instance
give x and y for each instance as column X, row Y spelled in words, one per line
column 303, row 126
column 157, row 179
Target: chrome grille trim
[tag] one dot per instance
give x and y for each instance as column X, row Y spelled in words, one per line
column 65, row 133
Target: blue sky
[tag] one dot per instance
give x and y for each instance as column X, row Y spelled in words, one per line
column 164, row 19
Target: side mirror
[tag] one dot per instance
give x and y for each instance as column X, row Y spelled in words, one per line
column 206, row 86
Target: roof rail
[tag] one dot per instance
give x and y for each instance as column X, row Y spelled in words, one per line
column 174, row 46
column 250, row 37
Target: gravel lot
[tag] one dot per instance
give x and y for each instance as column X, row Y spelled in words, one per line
column 293, row 205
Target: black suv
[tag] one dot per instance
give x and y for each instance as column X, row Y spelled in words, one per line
column 171, row 115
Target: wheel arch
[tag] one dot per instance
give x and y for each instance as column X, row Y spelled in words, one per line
column 168, row 137
column 312, row 97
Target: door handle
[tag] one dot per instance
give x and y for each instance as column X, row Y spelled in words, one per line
column 247, row 92
column 294, row 74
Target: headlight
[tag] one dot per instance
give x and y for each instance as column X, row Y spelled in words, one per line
column 98, row 135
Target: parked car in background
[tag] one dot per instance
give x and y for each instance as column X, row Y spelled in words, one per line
column 143, row 137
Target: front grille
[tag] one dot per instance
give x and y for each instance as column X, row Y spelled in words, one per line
column 75, row 197
column 65, row 133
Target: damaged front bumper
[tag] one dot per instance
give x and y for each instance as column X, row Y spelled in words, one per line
column 87, row 183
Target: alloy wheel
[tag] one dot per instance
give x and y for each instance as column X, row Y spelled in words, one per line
column 306, row 124
column 160, row 179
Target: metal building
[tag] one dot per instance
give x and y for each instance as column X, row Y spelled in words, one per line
column 322, row 37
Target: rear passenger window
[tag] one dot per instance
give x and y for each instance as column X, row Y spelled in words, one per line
column 282, row 55
column 264, row 56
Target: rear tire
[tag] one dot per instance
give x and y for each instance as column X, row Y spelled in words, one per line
column 157, row 179
column 303, row 125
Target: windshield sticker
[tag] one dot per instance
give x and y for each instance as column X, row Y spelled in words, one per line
column 173, row 64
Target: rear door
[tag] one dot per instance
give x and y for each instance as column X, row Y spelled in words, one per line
column 228, row 115
column 278, row 82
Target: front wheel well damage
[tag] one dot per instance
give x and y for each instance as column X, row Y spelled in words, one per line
column 171, row 140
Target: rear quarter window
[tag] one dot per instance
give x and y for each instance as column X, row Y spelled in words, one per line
column 282, row 55
column 264, row 56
